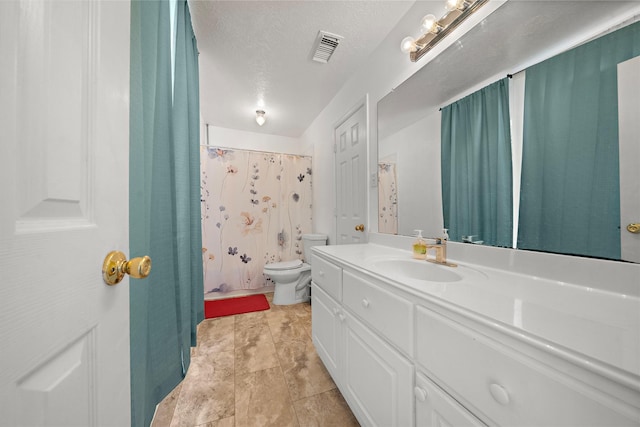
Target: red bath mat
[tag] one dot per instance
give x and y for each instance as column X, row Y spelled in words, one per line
column 231, row 306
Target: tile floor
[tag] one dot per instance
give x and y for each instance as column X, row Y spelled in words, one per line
column 254, row 370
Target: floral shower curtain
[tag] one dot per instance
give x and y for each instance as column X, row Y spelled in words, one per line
column 387, row 198
column 255, row 208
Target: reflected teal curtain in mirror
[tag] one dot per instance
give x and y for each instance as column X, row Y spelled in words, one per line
column 166, row 307
column 570, row 199
column 476, row 166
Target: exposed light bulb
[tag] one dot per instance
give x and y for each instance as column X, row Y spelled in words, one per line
column 451, row 5
column 260, row 119
column 408, row 44
column 429, row 24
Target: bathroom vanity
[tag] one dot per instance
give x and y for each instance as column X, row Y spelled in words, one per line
column 411, row 343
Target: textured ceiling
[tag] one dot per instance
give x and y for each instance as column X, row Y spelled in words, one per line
column 257, row 54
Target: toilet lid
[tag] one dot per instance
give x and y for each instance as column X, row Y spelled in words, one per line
column 285, row 265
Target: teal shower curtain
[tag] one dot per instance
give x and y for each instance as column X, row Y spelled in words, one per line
column 570, row 198
column 476, row 166
column 186, row 119
column 164, row 204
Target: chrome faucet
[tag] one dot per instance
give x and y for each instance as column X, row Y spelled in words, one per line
column 440, row 248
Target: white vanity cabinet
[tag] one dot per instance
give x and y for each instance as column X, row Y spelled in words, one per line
column 376, row 381
column 327, row 328
column 327, row 318
column 404, row 357
column 513, row 385
column 373, row 376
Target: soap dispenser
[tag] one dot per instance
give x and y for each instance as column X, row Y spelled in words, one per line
column 419, row 246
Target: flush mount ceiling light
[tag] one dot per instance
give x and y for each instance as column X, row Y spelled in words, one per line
column 260, row 119
column 434, row 29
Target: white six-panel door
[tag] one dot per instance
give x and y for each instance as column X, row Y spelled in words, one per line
column 629, row 127
column 351, row 178
column 64, row 123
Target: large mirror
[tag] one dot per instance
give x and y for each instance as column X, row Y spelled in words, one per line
column 515, row 36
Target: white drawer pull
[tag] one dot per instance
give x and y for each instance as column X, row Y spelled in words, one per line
column 321, row 273
column 420, row 393
column 342, row 317
column 499, row 394
column 365, row 303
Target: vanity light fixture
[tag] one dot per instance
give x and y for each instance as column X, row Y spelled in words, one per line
column 434, row 30
column 260, row 119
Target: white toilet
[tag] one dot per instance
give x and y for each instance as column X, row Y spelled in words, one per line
column 292, row 278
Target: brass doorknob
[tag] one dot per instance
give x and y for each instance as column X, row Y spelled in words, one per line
column 115, row 266
column 633, row 228
column 360, row 227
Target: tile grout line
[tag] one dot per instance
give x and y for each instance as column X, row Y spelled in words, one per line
column 295, row 413
column 235, row 372
column 235, row 391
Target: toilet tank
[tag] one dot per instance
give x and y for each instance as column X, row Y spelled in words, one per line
column 309, row 240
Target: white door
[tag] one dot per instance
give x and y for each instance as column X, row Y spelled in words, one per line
column 351, row 177
column 64, row 123
column 629, row 128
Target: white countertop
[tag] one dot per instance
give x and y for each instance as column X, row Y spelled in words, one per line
column 596, row 328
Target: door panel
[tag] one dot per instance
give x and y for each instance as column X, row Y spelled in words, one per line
column 377, row 381
column 64, row 121
column 62, row 389
column 435, row 408
column 628, row 113
column 50, row 99
column 327, row 330
column 351, row 178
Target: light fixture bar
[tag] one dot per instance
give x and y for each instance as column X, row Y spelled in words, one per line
column 448, row 23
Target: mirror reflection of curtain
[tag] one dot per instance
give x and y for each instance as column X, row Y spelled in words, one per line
column 387, row 198
column 570, row 200
column 476, row 166
column 255, row 208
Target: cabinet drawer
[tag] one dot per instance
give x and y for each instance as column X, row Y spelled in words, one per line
column 388, row 313
column 327, row 276
column 506, row 386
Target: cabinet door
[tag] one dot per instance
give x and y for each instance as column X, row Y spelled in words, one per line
column 377, row 380
column 436, row 408
column 326, row 329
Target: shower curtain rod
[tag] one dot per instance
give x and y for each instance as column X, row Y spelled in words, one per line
column 508, row 76
column 254, row 151
column 245, row 149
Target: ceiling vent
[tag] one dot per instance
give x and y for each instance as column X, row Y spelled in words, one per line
column 326, row 44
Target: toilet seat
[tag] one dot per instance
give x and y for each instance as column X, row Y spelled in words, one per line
column 285, row 265
column 292, row 279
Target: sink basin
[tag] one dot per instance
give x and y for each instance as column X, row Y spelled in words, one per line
column 417, row 270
